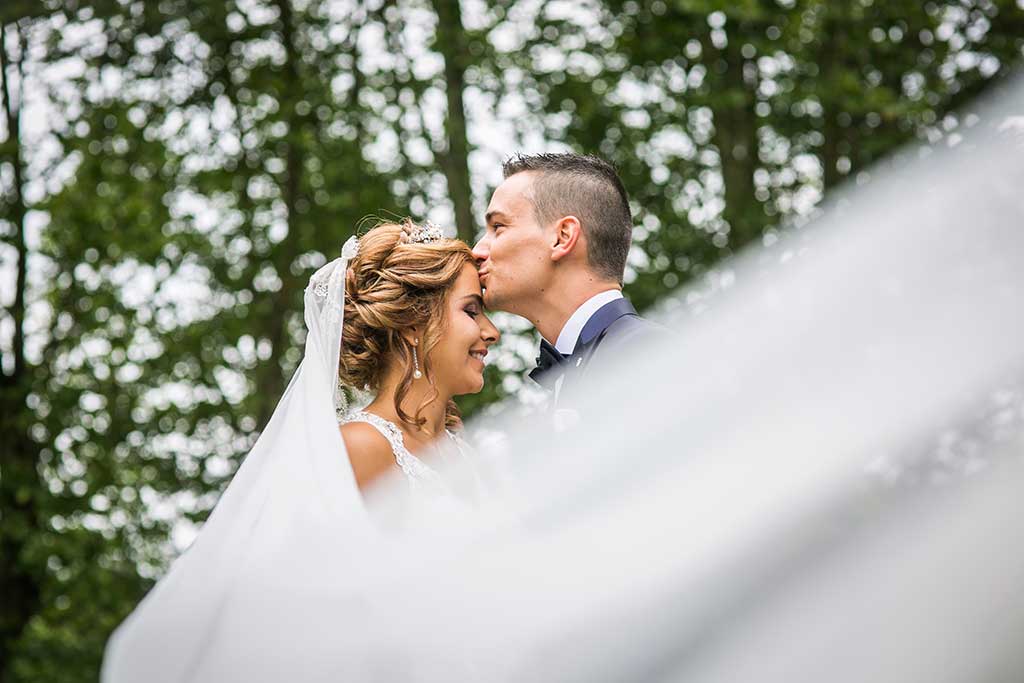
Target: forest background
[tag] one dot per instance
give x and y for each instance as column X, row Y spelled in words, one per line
column 172, row 171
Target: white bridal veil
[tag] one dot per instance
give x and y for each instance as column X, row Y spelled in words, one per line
column 242, row 602
column 817, row 479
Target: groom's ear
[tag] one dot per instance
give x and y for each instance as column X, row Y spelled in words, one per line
column 568, row 232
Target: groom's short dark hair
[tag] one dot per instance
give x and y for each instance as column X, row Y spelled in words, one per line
column 587, row 187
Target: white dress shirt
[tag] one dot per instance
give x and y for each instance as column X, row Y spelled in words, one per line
column 573, row 327
column 565, row 418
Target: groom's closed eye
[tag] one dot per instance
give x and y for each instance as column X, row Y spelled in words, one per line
column 495, row 219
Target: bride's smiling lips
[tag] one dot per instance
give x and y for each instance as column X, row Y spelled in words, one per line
column 478, row 354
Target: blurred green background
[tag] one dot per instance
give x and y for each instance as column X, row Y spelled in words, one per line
column 172, row 171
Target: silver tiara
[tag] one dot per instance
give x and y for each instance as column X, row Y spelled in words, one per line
column 422, row 234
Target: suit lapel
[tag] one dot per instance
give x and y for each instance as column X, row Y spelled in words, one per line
column 590, row 338
column 599, row 323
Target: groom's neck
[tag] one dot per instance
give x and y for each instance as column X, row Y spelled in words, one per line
column 556, row 305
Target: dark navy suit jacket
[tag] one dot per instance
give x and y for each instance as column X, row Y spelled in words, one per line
column 612, row 333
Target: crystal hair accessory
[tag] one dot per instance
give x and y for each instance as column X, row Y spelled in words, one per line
column 422, row 234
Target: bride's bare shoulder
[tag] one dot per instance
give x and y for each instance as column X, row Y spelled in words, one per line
column 368, row 451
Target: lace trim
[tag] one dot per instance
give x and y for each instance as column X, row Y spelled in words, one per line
column 413, row 468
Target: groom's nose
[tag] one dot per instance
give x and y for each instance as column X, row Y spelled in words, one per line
column 482, row 249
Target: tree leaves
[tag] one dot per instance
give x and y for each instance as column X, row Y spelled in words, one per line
column 198, row 160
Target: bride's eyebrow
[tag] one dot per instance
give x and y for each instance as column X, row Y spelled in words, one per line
column 476, row 297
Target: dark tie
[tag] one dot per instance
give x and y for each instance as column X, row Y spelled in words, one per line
column 548, row 365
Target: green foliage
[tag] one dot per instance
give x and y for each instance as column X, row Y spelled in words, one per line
column 728, row 119
column 201, row 158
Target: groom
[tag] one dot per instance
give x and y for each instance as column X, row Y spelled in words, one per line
column 554, row 252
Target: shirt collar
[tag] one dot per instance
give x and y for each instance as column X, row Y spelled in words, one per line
column 570, row 333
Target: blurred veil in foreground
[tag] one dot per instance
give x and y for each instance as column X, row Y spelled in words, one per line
column 739, row 504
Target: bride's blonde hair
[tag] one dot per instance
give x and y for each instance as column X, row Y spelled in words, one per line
column 391, row 286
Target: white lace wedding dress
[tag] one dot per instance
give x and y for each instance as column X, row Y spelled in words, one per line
column 421, row 476
column 436, row 497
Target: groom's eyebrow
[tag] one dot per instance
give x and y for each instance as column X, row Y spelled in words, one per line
column 491, row 215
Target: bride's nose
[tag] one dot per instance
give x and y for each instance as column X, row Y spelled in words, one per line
column 489, row 333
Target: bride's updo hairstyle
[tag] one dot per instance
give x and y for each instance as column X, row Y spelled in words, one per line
column 392, row 285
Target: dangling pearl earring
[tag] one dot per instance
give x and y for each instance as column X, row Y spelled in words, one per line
column 416, row 374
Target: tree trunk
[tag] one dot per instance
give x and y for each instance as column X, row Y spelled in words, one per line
column 16, row 204
column 451, row 42
column 831, row 47
column 270, row 380
column 735, row 136
column 19, row 481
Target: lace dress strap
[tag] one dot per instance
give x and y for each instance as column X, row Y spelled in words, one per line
column 413, row 468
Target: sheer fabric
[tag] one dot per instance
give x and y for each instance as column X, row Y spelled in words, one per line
column 246, row 599
column 712, row 517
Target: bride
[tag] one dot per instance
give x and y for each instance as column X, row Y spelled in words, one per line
column 415, row 334
column 257, row 595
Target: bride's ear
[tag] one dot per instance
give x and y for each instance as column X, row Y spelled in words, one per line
column 411, row 335
column 567, row 233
